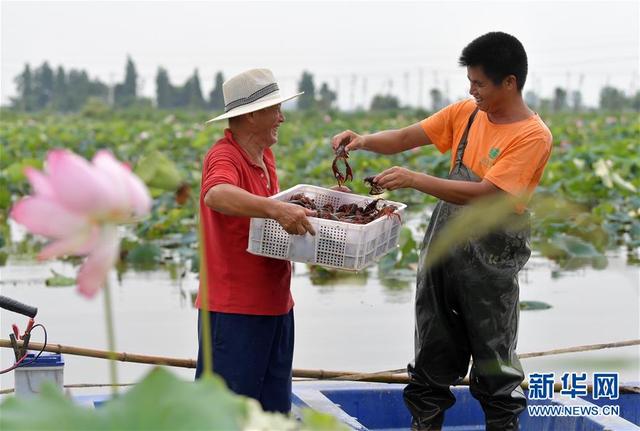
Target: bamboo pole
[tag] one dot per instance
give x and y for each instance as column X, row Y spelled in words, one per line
column 557, row 387
column 187, row 363
column 103, row 354
column 587, row 348
column 390, row 376
column 403, row 378
column 78, row 385
column 575, row 349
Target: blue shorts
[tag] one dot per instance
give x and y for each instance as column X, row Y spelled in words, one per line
column 253, row 354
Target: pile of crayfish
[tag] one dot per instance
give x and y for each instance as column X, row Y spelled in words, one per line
column 350, row 213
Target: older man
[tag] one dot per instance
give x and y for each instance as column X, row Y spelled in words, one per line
column 250, row 307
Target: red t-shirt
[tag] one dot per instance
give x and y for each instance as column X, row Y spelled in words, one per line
column 239, row 282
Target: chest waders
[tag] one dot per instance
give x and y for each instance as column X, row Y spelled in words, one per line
column 467, row 306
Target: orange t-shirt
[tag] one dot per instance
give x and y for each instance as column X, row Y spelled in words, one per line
column 511, row 156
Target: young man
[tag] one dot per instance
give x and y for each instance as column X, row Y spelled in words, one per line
column 467, row 304
column 249, row 307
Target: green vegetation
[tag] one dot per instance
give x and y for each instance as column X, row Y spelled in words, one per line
column 160, row 401
column 59, row 280
column 586, row 204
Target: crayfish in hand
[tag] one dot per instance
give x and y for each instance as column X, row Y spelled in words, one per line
column 342, row 154
column 375, row 188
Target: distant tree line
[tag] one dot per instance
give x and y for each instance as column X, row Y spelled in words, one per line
column 72, row 90
column 59, row 90
column 323, row 99
column 611, row 99
column 188, row 95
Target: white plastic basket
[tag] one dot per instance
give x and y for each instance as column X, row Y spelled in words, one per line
column 336, row 244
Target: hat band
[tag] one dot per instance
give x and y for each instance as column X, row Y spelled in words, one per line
column 251, row 98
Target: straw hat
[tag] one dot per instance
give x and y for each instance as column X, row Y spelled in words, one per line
column 250, row 91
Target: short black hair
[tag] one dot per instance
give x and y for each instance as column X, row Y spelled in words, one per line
column 499, row 54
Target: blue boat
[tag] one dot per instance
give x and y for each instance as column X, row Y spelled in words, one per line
column 380, row 407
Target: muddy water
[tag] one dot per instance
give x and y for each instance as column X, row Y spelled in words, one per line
column 356, row 324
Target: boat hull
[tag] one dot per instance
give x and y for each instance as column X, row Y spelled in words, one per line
column 379, row 406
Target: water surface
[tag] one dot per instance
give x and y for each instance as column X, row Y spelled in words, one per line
column 355, row 324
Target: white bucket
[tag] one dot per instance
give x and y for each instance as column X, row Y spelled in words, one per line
column 30, row 377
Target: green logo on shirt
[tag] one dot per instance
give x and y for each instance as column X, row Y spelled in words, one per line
column 493, row 153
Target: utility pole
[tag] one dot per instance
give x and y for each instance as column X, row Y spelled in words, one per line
column 446, row 92
column 406, row 87
column 111, row 96
column 352, row 94
column 420, row 87
column 140, row 86
column 364, row 91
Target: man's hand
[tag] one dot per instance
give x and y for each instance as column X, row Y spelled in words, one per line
column 356, row 141
column 396, row 178
column 293, row 218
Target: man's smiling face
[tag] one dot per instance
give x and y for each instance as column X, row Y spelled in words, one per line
column 488, row 95
column 268, row 121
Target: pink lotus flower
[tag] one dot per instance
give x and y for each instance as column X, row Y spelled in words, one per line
column 79, row 205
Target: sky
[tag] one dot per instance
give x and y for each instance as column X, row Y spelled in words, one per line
column 358, row 48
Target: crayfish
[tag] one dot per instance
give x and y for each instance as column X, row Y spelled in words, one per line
column 389, row 211
column 303, row 201
column 350, row 213
column 342, row 154
column 375, row 188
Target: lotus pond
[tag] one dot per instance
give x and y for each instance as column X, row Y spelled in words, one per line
column 580, row 287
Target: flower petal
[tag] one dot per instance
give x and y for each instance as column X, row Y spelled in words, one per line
column 112, row 169
column 46, row 217
column 78, row 185
column 139, row 194
column 131, row 190
column 78, row 244
column 94, row 270
column 39, row 182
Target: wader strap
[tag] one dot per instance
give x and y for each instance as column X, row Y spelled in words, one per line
column 463, row 141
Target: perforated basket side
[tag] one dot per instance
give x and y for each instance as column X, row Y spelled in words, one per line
column 324, row 198
column 275, row 240
column 392, row 231
column 330, row 246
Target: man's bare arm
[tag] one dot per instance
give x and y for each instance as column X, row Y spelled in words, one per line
column 231, row 200
column 385, row 142
column 457, row 192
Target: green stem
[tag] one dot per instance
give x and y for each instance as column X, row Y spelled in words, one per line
column 111, row 339
column 205, row 322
